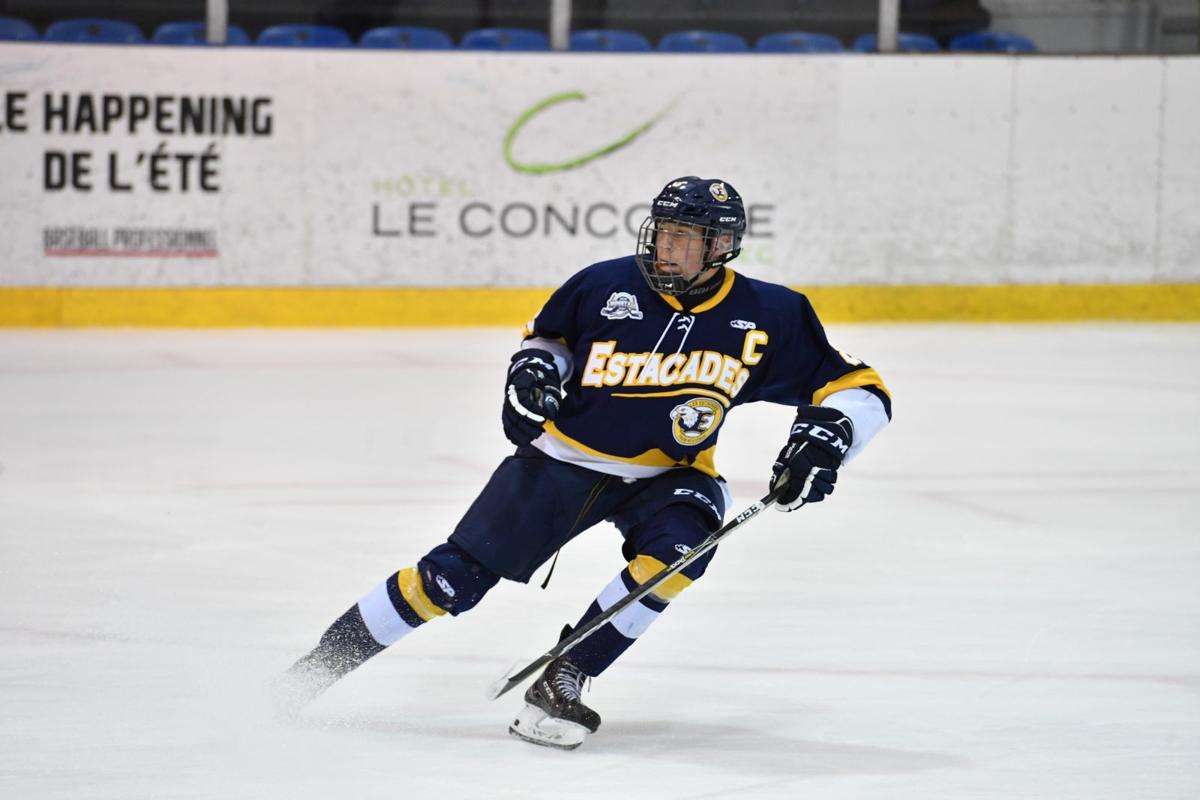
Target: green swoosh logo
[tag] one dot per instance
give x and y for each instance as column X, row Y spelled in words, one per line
column 572, row 163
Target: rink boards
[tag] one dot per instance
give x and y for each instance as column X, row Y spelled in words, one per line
column 468, row 306
column 149, row 185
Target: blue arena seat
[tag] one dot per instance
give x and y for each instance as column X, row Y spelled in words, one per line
column 195, row 33
column 505, row 39
column 905, row 43
column 17, row 30
column 94, row 31
column 991, row 42
column 301, row 35
column 799, row 42
column 702, row 42
column 406, row 37
column 609, row 40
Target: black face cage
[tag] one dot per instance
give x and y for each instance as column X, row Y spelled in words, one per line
column 674, row 284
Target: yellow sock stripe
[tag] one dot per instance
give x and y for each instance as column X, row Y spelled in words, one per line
column 413, row 591
column 644, row 567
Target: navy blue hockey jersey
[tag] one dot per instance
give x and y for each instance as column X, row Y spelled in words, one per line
column 651, row 384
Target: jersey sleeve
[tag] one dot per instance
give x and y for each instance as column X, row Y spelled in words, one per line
column 806, row 368
column 556, row 327
column 558, row 319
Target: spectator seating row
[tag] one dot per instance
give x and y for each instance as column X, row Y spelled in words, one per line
column 511, row 39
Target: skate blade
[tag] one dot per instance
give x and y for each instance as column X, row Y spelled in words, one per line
column 537, row 727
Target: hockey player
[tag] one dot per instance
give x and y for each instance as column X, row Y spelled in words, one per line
column 615, row 400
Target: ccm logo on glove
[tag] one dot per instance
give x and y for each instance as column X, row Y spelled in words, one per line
column 823, row 434
column 819, row 440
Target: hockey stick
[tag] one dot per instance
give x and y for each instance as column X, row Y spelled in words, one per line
column 510, row 681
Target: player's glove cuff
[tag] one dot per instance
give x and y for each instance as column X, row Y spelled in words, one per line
column 808, row 463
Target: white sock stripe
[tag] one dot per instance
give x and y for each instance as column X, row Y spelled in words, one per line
column 633, row 621
column 386, row 626
column 610, row 594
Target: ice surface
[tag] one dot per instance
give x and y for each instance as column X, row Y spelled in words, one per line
column 1001, row 601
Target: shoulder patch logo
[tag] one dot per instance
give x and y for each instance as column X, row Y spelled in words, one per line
column 849, row 359
column 621, row 305
column 742, row 324
column 718, row 191
column 694, row 421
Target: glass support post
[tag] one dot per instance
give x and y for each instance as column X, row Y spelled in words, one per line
column 889, row 25
column 560, row 24
column 217, row 20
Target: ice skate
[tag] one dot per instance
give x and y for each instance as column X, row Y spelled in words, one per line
column 554, row 714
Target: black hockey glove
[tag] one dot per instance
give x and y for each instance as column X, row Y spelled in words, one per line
column 531, row 396
column 820, row 439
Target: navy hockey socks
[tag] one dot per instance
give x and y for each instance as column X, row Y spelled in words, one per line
column 445, row 581
column 390, row 611
column 345, row 646
column 597, row 652
column 397, row 606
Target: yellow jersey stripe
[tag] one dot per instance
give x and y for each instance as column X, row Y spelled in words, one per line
column 705, row 460
column 671, row 301
column 706, row 392
column 644, row 567
column 721, row 294
column 851, row 380
column 712, row 302
column 413, row 592
column 650, row 458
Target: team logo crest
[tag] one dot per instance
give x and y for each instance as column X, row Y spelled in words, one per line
column 694, row 421
column 718, row 191
column 621, row 305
